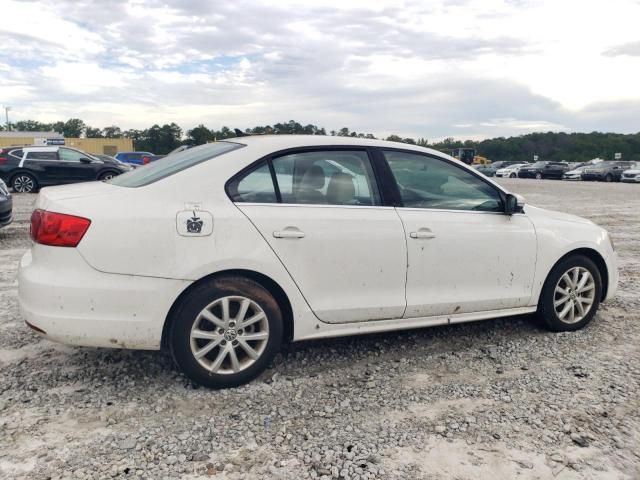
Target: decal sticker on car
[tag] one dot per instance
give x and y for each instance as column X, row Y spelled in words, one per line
column 194, row 223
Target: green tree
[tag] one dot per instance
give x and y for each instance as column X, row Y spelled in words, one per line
column 112, row 131
column 91, row 132
column 72, row 128
column 200, row 135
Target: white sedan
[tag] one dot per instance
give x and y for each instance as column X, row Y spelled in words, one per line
column 511, row 171
column 223, row 252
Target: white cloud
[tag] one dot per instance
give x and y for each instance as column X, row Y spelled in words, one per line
column 469, row 68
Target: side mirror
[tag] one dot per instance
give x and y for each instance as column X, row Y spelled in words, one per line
column 513, row 203
column 86, row 160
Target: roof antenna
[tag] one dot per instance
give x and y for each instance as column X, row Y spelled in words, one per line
column 240, row 133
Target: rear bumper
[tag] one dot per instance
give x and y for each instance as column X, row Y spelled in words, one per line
column 70, row 302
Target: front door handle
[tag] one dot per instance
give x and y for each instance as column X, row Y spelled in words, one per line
column 423, row 233
column 289, row 232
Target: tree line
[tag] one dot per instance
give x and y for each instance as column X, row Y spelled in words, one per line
column 572, row 147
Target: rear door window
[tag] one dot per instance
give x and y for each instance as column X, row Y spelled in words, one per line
column 42, row 156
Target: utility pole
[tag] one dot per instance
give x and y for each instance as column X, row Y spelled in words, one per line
column 6, row 114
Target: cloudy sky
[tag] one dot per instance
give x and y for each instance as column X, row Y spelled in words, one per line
column 461, row 68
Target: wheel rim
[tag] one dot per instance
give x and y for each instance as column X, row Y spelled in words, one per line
column 538, row 176
column 229, row 335
column 108, row 176
column 23, row 184
column 574, row 295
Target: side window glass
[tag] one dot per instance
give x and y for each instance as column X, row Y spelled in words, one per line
column 256, row 187
column 41, row 156
column 67, row 155
column 426, row 182
column 331, row 177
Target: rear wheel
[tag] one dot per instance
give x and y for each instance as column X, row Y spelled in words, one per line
column 24, row 183
column 225, row 332
column 571, row 294
column 608, row 178
column 513, row 175
column 538, row 176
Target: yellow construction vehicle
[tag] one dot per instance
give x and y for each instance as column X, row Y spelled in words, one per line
column 468, row 156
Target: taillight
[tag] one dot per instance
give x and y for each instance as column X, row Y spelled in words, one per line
column 3, row 159
column 57, row 229
column 145, row 160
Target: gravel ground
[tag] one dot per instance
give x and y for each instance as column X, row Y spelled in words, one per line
column 496, row 399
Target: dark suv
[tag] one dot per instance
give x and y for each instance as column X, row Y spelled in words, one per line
column 606, row 171
column 544, row 170
column 26, row 169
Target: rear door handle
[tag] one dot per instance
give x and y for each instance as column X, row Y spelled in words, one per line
column 423, row 233
column 289, row 232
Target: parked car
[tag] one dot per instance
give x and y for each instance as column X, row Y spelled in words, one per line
column 491, row 169
column 29, row 168
column 152, row 158
column 114, row 161
column 237, row 246
column 6, row 205
column 544, row 169
column 632, row 175
column 511, row 171
column 134, row 158
column 574, row 173
column 606, row 171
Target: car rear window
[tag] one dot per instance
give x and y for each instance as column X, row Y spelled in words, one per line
column 172, row 164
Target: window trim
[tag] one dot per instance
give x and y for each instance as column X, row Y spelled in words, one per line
column 369, row 151
column 396, row 190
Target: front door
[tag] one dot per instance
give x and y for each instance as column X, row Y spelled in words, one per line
column 325, row 222
column 76, row 170
column 465, row 255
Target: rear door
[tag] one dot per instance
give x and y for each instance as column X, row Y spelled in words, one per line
column 325, row 221
column 43, row 165
column 464, row 254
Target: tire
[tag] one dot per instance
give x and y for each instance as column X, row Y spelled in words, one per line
column 566, row 316
column 224, row 341
column 538, row 176
column 513, row 175
column 107, row 176
column 608, row 178
column 24, row 183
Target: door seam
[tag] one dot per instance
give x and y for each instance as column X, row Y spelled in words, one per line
column 406, row 270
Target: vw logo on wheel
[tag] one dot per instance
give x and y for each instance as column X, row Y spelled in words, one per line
column 230, row 335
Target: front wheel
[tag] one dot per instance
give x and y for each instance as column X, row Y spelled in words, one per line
column 106, row 176
column 538, row 176
column 225, row 332
column 513, row 175
column 608, row 178
column 571, row 294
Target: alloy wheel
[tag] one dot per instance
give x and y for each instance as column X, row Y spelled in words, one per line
column 574, row 295
column 23, row 184
column 229, row 335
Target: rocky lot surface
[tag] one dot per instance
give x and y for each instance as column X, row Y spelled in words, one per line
column 495, row 399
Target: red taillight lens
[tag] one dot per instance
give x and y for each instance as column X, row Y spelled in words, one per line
column 57, row 229
column 145, row 160
column 3, row 159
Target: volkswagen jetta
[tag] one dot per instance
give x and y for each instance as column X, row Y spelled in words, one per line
column 238, row 246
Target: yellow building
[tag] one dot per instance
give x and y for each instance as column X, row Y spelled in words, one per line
column 108, row 146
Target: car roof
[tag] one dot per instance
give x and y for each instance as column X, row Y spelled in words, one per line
column 40, row 149
column 282, row 142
